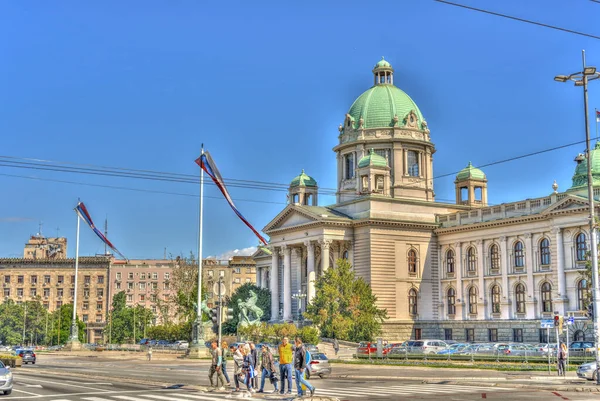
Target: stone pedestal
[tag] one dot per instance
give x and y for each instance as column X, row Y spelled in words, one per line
column 73, row 345
column 197, row 348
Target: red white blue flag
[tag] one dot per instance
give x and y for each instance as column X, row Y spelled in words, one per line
column 598, row 116
column 208, row 165
column 81, row 210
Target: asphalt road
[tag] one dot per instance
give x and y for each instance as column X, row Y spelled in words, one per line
column 45, row 381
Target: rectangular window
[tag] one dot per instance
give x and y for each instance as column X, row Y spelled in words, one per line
column 130, row 286
column 349, row 165
column 221, row 273
column 47, row 279
column 60, row 279
column 129, row 298
column 119, row 276
column 58, row 304
column 46, row 305
column 100, row 292
column 155, row 276
column 99, row 305
column 142, row 286
column 59, row 292
column 153, row 297
column 87, row 279
column 544, row 336
column 153, row 308
column 7, row 279
column 417, row 335
column 166, row 286
column 20, row 280
column 211, row 274
column 167, row 275
column 470, row 334
column 100, row 279
column 72, row 279
column 7, row 292
column 46, row 292
column 237, row 281
column 86, row 292
column 33, row 292
column 155, row 286
column 518, row 335
column 19, row 292
column 98, row 318
column 85, row 318
column 33, row 280
column 413, row 163
column 142, row 276
column 143, row 297
column 86, row 305
column 448, row 334
column 118, row 286
column 72, row 292
column 130, row 276
column 493, row 335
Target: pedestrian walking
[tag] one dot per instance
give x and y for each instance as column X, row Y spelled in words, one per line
column 285, row 365
column 300, row 367
column 336, row 346
column 562, row 357
column 215, row 367
column 248, row 367
column 225, row 351
column 267, row 369
column 149, row 354
column 254, row 353
column 238, row 364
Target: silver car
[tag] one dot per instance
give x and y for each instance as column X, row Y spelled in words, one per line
column 587, row 371
column 6, row 379
column 319, row 366
column 427, row 346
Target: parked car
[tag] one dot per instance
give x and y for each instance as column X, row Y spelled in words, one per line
column 427, row 346
column 319, row 365
column 587, row 371
column 520, row 350
column 453, row 349
column 481, row 349
column 366, row 348
column 144, row 341
column 27, row 356
column 580, row 348
column 401, row 349
column 181, row 344
column 547, row 348
column 6, row 379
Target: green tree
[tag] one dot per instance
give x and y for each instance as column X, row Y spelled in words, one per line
column 61, row 325
column 344, row 306
column 243, row 293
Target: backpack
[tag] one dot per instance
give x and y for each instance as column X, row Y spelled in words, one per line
column 308, row 358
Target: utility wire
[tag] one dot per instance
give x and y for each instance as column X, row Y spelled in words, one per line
column 521, row 19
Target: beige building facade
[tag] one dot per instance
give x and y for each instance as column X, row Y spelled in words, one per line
column 429, row 263
column 40, row 247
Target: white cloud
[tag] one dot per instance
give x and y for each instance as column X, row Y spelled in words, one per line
column 235, row 252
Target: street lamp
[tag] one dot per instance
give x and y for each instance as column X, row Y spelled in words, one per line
column 299, row 296
column 581, row 79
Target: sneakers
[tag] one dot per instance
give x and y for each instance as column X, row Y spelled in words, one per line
column 221, row 388
column 260, row 391
column 252, row 390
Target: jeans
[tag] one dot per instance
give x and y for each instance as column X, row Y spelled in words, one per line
column 264, row 374
column 225, row 374
column 561, row 367
column 284, row 370
column 236, row 381
column 301, row 380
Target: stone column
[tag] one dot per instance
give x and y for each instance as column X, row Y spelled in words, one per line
column 259, row 277
column 310, row 271
column 351, row 253
column 506, row 307
column 459, row 287
column 274, row 283
column 482, row 301
column 560, row 267
column 287, row 282
column 531, row 307
column 325, row 244
column 263, row 278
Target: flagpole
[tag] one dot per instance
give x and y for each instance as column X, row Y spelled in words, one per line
column 74, row 339
column 198, row 334
column 597, row 119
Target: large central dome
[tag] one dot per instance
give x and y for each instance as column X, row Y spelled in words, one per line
column 384, row 105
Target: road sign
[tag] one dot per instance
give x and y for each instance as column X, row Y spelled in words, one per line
column 570, row 320
column 216, row 289
column 547, row 323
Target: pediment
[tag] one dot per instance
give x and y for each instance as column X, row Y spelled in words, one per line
column 289, row 217
column 261, row 252
column 566, row 204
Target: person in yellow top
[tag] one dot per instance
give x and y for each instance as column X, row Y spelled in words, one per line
column 285, row 365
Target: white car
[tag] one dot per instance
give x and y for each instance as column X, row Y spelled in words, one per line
column 180, row 344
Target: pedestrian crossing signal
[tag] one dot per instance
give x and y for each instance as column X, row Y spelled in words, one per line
column 556, row 321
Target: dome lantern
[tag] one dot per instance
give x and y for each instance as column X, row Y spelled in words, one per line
column 471, row 187
column 303, row 190
column 383, row 72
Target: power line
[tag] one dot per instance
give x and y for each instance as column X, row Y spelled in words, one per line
column 520, row 19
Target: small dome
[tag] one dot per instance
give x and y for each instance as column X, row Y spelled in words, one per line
column 383, row 64
column 303, row 180
column 470, row 172
column 580, row 177
column 372, row 159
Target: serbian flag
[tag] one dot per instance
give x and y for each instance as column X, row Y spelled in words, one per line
column 208, row 165
column 597, row 116
column 81, row 210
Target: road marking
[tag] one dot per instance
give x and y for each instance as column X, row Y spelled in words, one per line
column 33, row 385
column 202, row 397
column 96, row 383
column 558, row 395
column 25, row 392
column 62, row 383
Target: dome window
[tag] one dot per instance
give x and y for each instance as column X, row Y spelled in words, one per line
column 413, row 163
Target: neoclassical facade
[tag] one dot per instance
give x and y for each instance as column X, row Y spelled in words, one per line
column 462, row 271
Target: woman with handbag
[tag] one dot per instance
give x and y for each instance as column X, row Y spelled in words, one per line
column 238, row 363
column 248, row 367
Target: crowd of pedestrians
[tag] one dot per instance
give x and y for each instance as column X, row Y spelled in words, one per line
column 247, row 365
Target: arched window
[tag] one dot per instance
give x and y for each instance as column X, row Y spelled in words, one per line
column 345, row 255
column 495, row 299
column 412, row 302
column 450, row 261
column 520, row 298
column 473, row 300
column 494, row 257
column 451, row 301
column 583, row 294
column 412, row 261
column 471, row 260
column 581, row 247
column 519, row 254
column 579, row 336
column 545, row 252
column 412, row 159
column 546, row 297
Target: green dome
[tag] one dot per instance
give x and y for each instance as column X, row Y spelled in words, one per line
column 470, row 172
column 372, row 159
column 580, row 177
column 380, row 104
column 303, row 180
column 383, row 63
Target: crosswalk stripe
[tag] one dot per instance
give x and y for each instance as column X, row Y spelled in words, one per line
column 93, row 399
column 186, row 397
column 127, row 398
column 199, row 397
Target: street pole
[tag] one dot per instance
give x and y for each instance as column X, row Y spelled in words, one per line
column 74, row 338
column 24, row 321
column 46, row 334
column 134, row 324
column 557, row 351
column 220, row 311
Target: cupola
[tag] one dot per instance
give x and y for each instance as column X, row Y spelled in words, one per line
column 374, row 174
column 471, row 187
column 303, row 190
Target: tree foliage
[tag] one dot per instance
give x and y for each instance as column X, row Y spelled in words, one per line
column 243, row 293
column 273, row 333
column 344, row 306
column 127, row 324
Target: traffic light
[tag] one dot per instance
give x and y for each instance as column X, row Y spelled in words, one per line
column 214, row 317
column 556, row 321
column 228, row 314
column 590, row 311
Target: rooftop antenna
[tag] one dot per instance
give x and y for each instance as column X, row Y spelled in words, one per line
column 41, row 225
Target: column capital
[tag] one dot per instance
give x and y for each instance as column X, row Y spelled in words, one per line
column 527, row 235
column 309, row 245
column 457, row 245
column 503, row 238
column 273, row 248
column 479, row 242
column 556, row 230
column 297, row 251
column 325, row 243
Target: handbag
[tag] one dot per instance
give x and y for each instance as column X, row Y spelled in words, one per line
column 273, row 378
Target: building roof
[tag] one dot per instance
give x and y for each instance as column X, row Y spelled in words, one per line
column 372, row 159
column 580, row 177
column 303, row 180
column 383, row 106
column 470, row 172
column 383, row 64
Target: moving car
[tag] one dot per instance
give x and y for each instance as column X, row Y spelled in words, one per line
column 587, row 371
column 6, row 379
column 319, row 366
column 27, row 356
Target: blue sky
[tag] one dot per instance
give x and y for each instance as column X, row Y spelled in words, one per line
column 264, row 85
